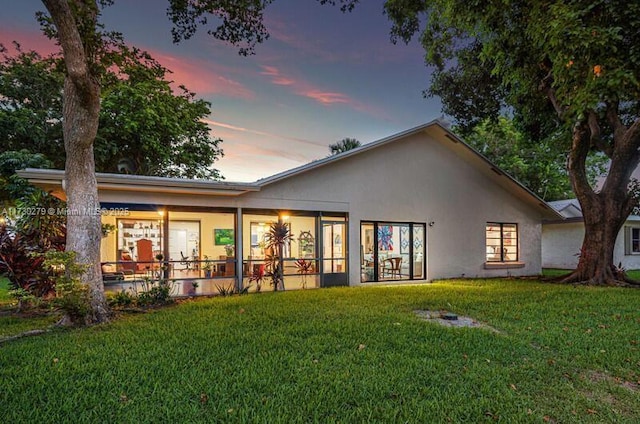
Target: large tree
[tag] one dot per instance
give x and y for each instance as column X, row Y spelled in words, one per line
column 562, row 66
column 144, row 124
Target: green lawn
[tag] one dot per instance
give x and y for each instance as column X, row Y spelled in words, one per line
column 4, row 291
column 563, row 354
column 554, row 272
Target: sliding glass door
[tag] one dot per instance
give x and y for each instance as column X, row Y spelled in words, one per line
column 392, row 251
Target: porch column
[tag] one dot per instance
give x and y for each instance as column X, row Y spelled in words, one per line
column 239, row 255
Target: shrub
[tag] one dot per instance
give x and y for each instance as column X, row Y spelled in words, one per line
column 23, row 263
column 72, row 297
column 155, row 294
column 121, row 299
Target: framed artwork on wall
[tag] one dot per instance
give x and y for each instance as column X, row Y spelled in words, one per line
column 223, row 236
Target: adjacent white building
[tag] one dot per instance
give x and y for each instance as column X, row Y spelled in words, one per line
column 562, row 239
column 416, row 206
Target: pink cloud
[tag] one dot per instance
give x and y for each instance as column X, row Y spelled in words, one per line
column 202, row 77
column 199, row 76
column 327, row 98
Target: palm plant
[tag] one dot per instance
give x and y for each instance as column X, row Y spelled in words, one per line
column 278, row 235
column 344, row 145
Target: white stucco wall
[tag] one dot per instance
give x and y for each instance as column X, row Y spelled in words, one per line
column 417, row 180
column 561, row 245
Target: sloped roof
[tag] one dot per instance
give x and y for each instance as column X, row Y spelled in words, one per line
column 53, row 180
column 570, row 209
column 436, row 128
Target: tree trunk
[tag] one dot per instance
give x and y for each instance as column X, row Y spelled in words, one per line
column 596, row 263
column 80, row 113
column 604, row 212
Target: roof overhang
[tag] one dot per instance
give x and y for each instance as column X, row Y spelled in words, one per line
column 54, row 181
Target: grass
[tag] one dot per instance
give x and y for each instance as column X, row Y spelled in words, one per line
column 11, row 323
column 4, row 291
column 555, row 272
column 563, row 354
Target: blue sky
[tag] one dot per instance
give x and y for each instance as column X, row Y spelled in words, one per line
column 322, row 76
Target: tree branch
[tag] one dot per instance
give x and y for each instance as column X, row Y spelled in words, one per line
column 613, row 117
column 596, row 134
column 71, row 42
column 545, row 87
column 577, row 162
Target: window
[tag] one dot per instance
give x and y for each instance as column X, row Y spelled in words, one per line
column 502, row 242
column 631, row 240
column 392, row 251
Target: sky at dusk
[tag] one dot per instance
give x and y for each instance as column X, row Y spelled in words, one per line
column 320, row 77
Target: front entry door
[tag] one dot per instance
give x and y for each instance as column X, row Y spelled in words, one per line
column 334, row 254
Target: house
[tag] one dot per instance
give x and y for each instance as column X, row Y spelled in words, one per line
column 562, row 239
column 415, row 206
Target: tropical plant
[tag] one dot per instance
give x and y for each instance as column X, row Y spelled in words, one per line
column 343, row 145
column 257, row 276
column 278, row 236
column 37, row 226
column 304, row 268
column 23, row 264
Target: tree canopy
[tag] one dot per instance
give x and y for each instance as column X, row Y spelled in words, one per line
column 540, row 166
column 571, row 67
column 143, row 121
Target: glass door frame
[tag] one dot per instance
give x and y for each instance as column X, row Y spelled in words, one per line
column 332, row 279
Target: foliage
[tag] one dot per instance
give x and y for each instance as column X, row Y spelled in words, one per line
column 22, row 263
column 304, row 267
column 72, row 297
column 26, row 299
column 26, row 236
column 42, row 219
column 276, row 238
column 120, row 299
column 541, row 167
column 344, row 145
column 257, row 276
column 224, row 289
column 144, row 123
column 11, row 186
column 30, row 108
column 154, row 292
column 107, row 229
column 563, row 354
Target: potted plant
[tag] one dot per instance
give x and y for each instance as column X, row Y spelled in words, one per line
column 229, row 250
column 207, row 267
column 276, row 238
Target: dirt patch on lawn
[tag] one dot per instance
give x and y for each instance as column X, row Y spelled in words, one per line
column 597, row 377
column 449, row 319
